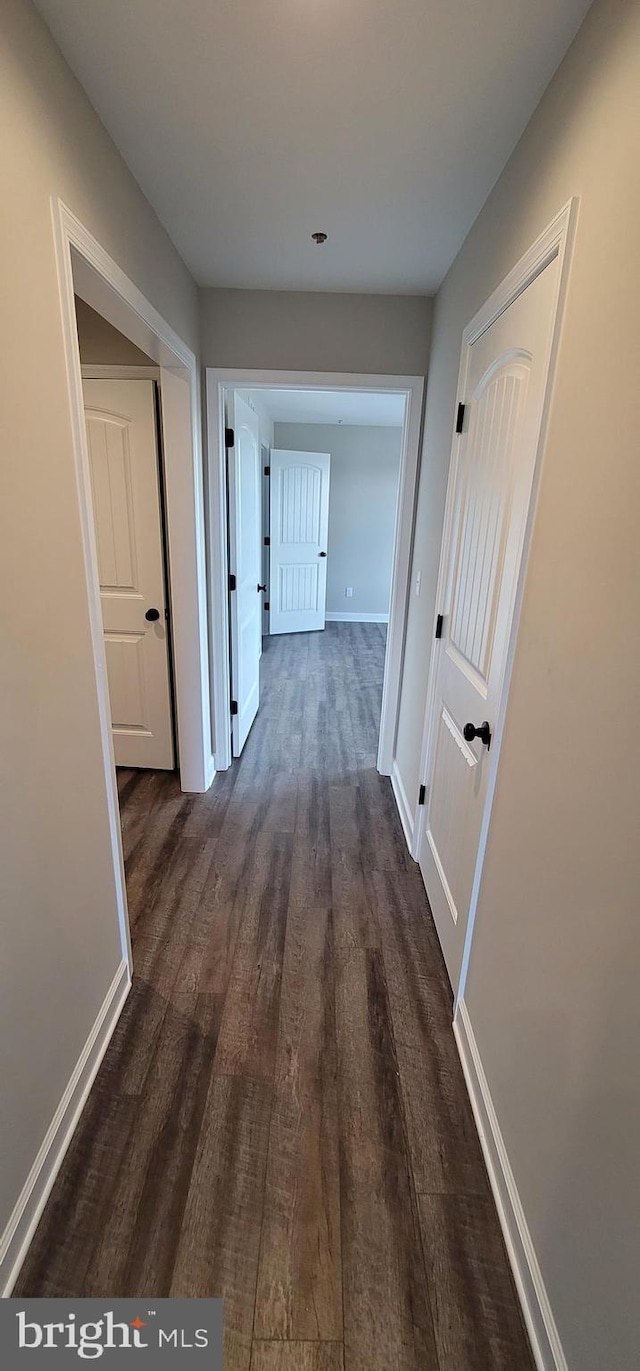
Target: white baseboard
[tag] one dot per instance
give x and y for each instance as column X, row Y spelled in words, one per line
column 338, row 617
column 545, row 1340
column 21, row 1227
column 404, row 808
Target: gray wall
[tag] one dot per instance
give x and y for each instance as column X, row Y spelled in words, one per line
column 312, row 331
column 365, row 462
column 104, row 345
column 60, row 945
column 553, row 982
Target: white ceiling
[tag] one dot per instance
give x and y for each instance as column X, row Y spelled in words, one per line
column 250, row 125
column 332, row 407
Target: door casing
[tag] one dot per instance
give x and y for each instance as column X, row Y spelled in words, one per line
column 217, row 381
column 86, row 269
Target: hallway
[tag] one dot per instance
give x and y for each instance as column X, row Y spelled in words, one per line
column 281, row 1116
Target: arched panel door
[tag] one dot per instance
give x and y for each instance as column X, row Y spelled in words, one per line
column 505, row 372
column 123, row 456
column 299, row 530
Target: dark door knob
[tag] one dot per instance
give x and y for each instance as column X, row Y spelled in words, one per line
column 322, row 554
column 261, row 587
column 483, row 733
column 152, row 615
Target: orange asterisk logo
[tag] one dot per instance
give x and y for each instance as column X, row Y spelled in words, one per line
column 138, row 1322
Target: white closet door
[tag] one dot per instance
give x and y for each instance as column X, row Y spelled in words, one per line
column 123, row 454
column 506, row 373
column 299, row 534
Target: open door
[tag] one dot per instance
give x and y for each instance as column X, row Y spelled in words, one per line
column 299, row 533
column 123, row 456
column 245, row 592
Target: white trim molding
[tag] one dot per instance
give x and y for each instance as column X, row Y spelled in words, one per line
column 338, row 617
column 402, row 802
column 21, row 1227
column 536, row 1308
column 412, row 387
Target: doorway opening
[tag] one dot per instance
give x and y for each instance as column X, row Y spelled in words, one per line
column 101, row 305
column 313, row 480
column 124, row 425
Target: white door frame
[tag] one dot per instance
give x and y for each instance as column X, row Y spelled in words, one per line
column 555, row 242
column 412, row 387
column 85, row 269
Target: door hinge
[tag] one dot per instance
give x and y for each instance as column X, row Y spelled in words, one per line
column 439, row 625
column 232, row 581
column 422, row 794
column 234, row 706
column 267, row 540
column 460, row 418
column 266, row 604
column 267, row 471
column 229, row 437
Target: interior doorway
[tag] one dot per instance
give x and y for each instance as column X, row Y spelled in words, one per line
column 323, row 468
column 87, row 273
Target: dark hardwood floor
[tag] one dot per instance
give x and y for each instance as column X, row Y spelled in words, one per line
column 281, row 1116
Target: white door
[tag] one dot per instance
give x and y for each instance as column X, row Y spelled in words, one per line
column 505, row 373
column 245, row 560
column 123, row 454
column 299, row 534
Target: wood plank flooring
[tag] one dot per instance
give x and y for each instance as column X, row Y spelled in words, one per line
column 281, row 1116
